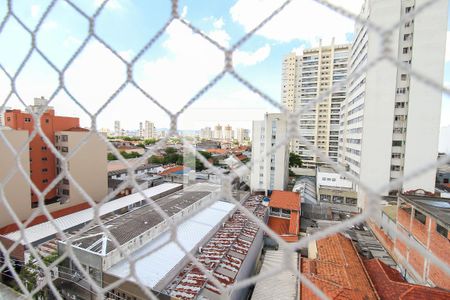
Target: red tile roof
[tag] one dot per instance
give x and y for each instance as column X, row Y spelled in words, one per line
column 281, row 227
column 172, row 170
column 42, row 218
column 217, row 151
column 338, row 271
column 286, row 200
column 78, row 129
column 390, row 284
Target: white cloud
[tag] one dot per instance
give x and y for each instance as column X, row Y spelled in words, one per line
column 251, row 58
column 300, row 20
column 299, row 50
column 219, row 23
column 35, row 11
column 184, row 12
column 112, row 4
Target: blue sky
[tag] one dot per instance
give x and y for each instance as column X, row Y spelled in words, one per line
column 177, row 65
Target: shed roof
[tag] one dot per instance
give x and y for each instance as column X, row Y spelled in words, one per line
column 285, row 200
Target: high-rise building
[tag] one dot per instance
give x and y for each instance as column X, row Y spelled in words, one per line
column 87, row 166
column 389, row 120
column 228, row 133
column 141, row 130
column 206, row 133
column 305, row 77
column 217, row 134
column 242, row 135
column 117, row 129
column 149, row 130
column 271, row 173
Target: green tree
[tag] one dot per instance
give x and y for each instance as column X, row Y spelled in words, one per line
column 155, row 160
column 295, row 160
column 150, row 141
column 111, row 157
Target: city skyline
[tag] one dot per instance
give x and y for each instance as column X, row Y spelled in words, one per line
column 259, row 59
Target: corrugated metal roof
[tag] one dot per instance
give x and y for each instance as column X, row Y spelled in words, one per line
column 283, row 285
column 46, row 229
column 189, row 234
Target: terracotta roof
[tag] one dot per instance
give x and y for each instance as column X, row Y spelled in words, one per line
column 217, row 151
column 242, row 157
column 281, row 227
column 286, row 200
column 77, row 129
column 172, row 170
column 338, row 271
column 390, row 284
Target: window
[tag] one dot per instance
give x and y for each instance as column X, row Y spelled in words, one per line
column 420, row 216
column 27, row 120
column 44, row 148
column 44, row 159
column 8, row 119
column 397, row 143
column 405, row 50
column 64, row 149
column 442, row 230
column 45, row 181
column 45, row 170
column 47, row 121
column 64, row 138
column 351, row 201
column 395, row 168
column 65, row 192
column 404, row 77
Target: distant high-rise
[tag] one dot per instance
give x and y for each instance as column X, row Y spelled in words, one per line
column 272, row 172
column 217, row 134
column 141, row 129
column 242, row 135
column 117, row 129
column 228, row 133
column 390, row 121
column 149, row 130
column 206, row 133
column 305, row 77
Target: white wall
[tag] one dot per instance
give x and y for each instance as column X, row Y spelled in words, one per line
column 332, row 180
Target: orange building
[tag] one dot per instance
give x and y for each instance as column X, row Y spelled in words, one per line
column 284, row 216
column 42, row 159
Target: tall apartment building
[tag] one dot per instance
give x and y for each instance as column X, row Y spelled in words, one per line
column 228, row 133
column 242, row 135
column 149, row 130
column 88, row 166
column 206, row 133
column 117, row 128
column 141, row 130
column 389, row 120
column 271, row 173
column 305, row 77
column 217, row 134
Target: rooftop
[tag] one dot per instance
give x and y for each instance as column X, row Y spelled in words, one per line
column 438, row 208
column 285, row 200
column 390, row 284
column 130, row 225
column 281, row 286
column 223, row 255
column 189, row 234
column 45, row 230
column 326, row 169
column 139, row 168
column 338, row 271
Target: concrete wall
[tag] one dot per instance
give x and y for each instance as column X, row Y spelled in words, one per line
column 16, row 191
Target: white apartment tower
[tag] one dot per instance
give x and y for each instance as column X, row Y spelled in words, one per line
column 217, row 134
column 306, row 77
column 242, row 135
column 228, row 133
column 272, row 172
column 117, row 129
column 149, row 130
column 141, row 129
column 206, row 133
column 390, row 120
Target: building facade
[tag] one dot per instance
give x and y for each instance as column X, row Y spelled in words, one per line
column 117, row 128
column 228, row 133
column 206, row 133
column 242, row 135
column 87, row 166
column 269, row 173
column 217, row 134
column 305, row 78
column 388, row 117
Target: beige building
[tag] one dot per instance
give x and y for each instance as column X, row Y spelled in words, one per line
column 88, row 167
column 16, row 189
column 242, row 135
column 217, row 134
column 228, row 133
column 305, row 77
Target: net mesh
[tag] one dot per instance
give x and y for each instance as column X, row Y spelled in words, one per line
column 45, row 270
